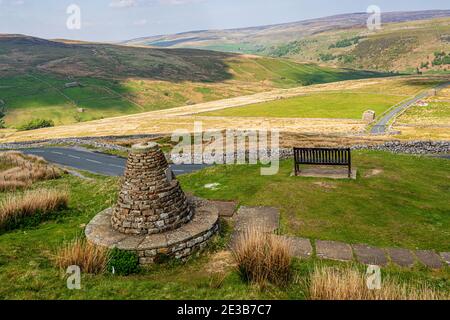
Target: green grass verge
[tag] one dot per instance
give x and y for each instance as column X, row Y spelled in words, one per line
column 434, row 113
column 26, row 271
column 405, row 205
column 323, row 105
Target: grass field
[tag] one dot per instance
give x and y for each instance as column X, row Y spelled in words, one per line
column 397, row 200
column 345, row 213
column 44, row 96
column 323, row 105
column 431, row 121
column 33, row 96
column 120, row 80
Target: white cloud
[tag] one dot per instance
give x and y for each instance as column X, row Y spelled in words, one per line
column 123, row 3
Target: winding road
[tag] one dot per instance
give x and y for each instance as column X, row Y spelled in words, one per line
column 382, row 124
column 95, row 162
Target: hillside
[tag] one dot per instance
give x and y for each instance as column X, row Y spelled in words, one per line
column 407, row 41
column 71, row 82
column 404, row 47
column 321, row 107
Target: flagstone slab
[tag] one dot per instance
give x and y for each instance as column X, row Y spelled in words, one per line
column 266, row 218
column 401, row 257
column 333, row 250
column 330, row 173
column 227, row 209
column 429, row 258
column 370, row 255
column 300, row 248
column 446, row 257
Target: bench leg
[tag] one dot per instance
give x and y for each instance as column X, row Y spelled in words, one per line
column 349, row 172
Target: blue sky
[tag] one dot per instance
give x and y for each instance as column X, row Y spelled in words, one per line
column 114, row 20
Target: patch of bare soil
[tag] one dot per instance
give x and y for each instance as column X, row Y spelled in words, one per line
column 373, row 173
column 325, row 185
column 220, row 262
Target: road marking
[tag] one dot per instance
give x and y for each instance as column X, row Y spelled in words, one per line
column 75, row 157
column 116, row 166
column 60, row 153
column 93, row 161
column 178, row 170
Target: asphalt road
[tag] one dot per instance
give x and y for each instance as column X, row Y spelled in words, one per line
column 382, row 125
column 94, row 162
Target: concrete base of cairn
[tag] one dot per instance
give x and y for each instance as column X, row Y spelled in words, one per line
column 179, row 243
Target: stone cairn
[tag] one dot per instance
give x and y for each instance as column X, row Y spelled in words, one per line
column 153, row 216
column 151, row 200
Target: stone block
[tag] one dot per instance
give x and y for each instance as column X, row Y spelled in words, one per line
column 369, row 116
column 370, row 255
column 333, row 250
column 300, row 248
column 446, row 257
column 401, row 257
column 429, row 258
column 266, row 218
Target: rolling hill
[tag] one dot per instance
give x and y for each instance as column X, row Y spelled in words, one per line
column 407, row 41
column 69, row 81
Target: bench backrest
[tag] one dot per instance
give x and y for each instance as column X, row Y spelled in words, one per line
column 322, row 156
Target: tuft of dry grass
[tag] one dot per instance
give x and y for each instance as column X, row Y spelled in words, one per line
column 23, row 170
column 328, row 283
column 263, row 258
column 79, row 252
column 15, row 207
column 12, row 185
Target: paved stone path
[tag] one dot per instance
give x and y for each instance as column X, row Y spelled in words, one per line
column 333, row 250
column 301, row 248
column 227, row 209
column 370, row 255
column 268, row 218
column 401, row 257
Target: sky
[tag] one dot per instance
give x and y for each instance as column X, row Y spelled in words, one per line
column 117, row 20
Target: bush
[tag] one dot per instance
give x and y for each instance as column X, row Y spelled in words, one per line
column 441, row 58
column 326, row 57
column 345, row 43
column 347, row 59
column 329, row 283
column 123, row 262
column 37, row 124
column 263, row 258
column 36, row 203
column 90, row 258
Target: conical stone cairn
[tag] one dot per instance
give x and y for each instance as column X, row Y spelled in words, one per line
column 151, row 200
column 153, row 218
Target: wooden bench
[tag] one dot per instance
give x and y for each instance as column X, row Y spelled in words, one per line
column 323, row 157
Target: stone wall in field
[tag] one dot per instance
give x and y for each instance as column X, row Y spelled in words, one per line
column 411, row 147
